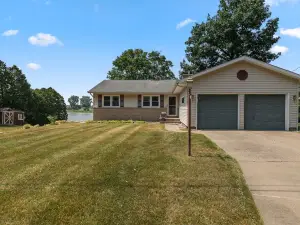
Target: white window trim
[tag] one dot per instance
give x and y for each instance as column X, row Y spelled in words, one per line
column 151, row 101
column 20, row 116
column 111, row 99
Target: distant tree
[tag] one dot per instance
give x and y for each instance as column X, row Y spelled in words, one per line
column 136, row 64
column 240, row 28
column 86, row 102
column 74, row 101
column 47, row 102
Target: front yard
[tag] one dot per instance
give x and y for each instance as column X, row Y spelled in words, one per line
column 118, row 174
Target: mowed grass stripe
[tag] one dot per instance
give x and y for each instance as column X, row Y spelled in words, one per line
column 75, row 183
column 12, row 145
column 40, row 145
column 22, row 133
column 53, row 176
column 110, row 187
column 33, row 160
column 101, row 155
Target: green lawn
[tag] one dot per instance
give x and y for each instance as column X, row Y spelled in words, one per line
column 118, row 174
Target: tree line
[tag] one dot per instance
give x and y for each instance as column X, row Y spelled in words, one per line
column 239, row 28
column 38, row 104
column 85, row 102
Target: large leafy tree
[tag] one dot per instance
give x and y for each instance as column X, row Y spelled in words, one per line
column 74, row 101
column 136, row 64
column 15, row 91
column 85, row 102
column 240, row 28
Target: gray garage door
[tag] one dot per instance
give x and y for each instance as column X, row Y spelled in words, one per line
column 217, row 112
column 265, row 112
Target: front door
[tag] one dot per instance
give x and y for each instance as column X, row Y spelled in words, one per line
column 172, row 110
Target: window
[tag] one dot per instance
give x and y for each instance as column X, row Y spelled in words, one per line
column 155, row 101
column 182, row 100
column 107, row 101
column 115, row 101
column 146, row 101
column 20, row 116
column 151, row 101
column 111, row 101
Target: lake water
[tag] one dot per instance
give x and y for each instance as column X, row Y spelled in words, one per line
column 79, row 116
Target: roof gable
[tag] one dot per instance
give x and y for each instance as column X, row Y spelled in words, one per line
column 250, row 61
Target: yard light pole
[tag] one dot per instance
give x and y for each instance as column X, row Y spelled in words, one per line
column 189, row 87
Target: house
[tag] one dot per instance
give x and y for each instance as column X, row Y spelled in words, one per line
column 11, row 117
column 243, row 94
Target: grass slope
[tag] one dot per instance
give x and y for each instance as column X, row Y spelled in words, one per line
column 118, row 174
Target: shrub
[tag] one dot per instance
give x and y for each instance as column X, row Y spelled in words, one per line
column 52, row 119
column 27, row 126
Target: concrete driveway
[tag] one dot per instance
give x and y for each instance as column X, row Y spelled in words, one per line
column 271, row 165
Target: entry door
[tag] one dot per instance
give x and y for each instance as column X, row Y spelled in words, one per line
column 172, row 106
column 8, row 118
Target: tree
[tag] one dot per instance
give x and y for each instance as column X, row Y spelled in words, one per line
column 136, row 64
column 74, row 101
column 86, row 102
column 15, row 91
column 240, row 28
column 47, row 102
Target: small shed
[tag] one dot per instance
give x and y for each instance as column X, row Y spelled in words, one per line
column 11, row 117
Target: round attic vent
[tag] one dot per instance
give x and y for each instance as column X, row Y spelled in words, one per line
column 242, row 75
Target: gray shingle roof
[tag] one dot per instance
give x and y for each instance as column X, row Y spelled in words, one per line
column 135, row 86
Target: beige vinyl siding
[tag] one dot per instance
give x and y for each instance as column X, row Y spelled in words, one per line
column 130, row 101
column 183, row 108
column 260, row 81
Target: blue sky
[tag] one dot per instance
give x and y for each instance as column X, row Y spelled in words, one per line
column 70, row 44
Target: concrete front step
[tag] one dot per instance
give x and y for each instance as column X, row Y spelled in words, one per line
column 171, row 120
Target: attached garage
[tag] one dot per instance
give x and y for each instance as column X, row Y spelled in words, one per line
column 265, row 112
column 217, row 112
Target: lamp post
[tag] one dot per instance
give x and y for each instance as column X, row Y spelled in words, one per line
column 189, row 87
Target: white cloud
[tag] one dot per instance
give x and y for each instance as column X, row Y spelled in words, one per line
column 42, row 39
column 10, row 33
column 277, row 2
column 278, row 48
column 291, row 32
column 33, row 66
column 184, row 23
column 96, row 8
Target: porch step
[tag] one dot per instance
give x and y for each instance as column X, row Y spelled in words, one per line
column 172, row 120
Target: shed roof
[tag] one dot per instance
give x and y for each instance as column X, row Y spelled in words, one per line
column 135, row 86
column 9, row 109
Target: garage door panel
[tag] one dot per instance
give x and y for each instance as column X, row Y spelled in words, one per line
column 217, row 112
column 265, row 112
